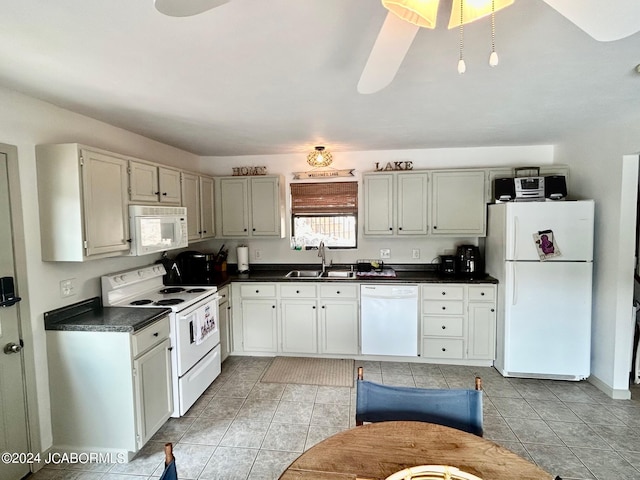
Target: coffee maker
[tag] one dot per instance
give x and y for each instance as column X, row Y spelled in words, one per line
column 468, row 262
column 196, row 267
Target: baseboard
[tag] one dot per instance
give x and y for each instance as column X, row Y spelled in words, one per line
column 616, row 394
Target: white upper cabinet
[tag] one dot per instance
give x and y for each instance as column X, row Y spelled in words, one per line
column 198, row 198
column 83, row 202
column 151, row 183
column 252, row 206
column 191, row 200
column 395, row 203
column 459, row 205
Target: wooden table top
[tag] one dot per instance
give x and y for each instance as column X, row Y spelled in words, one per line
column 377, row 450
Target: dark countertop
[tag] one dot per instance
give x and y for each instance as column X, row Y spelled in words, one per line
column 91, row 316
column 277, row 272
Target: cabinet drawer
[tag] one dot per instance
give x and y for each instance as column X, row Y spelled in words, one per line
column 297, row 291
column 258, row 290
column 486, row 293
column 442, row 348
column 442, row 307
column 442, row 326
column 339, row 291
column 443, row 292
column 149, row 336
column 223, row 293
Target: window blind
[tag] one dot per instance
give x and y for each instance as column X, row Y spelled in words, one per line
column 324, row 198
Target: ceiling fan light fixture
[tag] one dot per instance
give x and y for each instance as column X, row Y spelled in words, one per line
column 422, row 13
column 319, row 157
column 474, row 10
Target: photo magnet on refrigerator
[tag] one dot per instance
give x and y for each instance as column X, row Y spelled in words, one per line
column 546, row 245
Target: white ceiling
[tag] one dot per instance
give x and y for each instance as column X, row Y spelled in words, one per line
column 280, row 76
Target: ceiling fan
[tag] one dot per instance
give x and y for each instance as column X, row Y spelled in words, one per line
column 604, row 21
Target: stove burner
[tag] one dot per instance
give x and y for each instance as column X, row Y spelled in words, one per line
column 169, row 301
column 141, row 302
column 172, row 290
column 196, row 290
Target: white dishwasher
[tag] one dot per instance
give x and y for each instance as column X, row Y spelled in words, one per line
column 389, row 319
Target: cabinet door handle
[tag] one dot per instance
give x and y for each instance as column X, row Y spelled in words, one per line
column 399, row 228
column 164, row 194
column 482, row 294
column 493, row 309
column 273, row 306
column 443, row 327
column 156, row 193
column 314, row 307
column 297, row 291
column 257, row 291
column 435, row 227
column 338, row 292
column 444, row 349
column 444, row 308
column 204, row 231
column 444, row 293
column 245, row 229
column 253, row 229
column 322, row 306
column 390, row 228
column 156, row 334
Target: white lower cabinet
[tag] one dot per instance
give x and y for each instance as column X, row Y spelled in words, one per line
column 339, row 319
column 224, row 321
column 312, row 318
column 299, row 320
column 458, row 321
column 110, row 391
column 258, row 317
column 339, row 327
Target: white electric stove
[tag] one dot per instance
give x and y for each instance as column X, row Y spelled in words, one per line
column 195, row 334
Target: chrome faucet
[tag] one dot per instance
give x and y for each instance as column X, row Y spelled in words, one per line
column 321, row 253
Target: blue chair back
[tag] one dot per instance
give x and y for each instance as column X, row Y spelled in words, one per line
column 460, row 409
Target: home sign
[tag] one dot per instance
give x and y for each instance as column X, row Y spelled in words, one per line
column 247, row 171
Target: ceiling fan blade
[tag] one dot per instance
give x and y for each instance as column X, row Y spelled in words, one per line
column 186, row 8
column 389, row 50
column 604, row 21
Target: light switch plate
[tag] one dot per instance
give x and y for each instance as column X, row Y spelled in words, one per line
column 385, row 253
column 415, row 253
column 68, row 287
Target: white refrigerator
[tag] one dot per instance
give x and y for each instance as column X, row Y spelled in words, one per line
column 544, row 306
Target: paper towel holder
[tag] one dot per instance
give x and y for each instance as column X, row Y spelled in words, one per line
column 242, row 253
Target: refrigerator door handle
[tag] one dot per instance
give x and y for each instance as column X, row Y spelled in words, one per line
column 515, row 237
column 514, row 295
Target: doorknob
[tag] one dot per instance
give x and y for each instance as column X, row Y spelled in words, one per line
column 10, row 348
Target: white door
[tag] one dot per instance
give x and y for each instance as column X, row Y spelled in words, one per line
column 548, row 318
column 13, row 424
column 571, row 223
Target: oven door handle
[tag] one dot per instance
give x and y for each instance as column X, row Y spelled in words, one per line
column 191, row 336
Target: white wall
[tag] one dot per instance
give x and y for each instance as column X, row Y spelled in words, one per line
column 604, row 166
column 278, row 250
column 26, row 122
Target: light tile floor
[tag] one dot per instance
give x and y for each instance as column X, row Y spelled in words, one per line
column 243, row 429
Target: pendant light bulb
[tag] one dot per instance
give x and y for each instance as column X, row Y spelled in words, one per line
column 462, row 67
column 493, row 59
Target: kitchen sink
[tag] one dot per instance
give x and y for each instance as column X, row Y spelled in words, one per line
column 303, row 274
column 339, row 274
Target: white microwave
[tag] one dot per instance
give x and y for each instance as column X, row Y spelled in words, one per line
column 157, row 229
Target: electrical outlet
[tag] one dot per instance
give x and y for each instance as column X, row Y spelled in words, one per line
column 68, row 287
column 258, row 254
column 415, row 253
column 385, row 253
